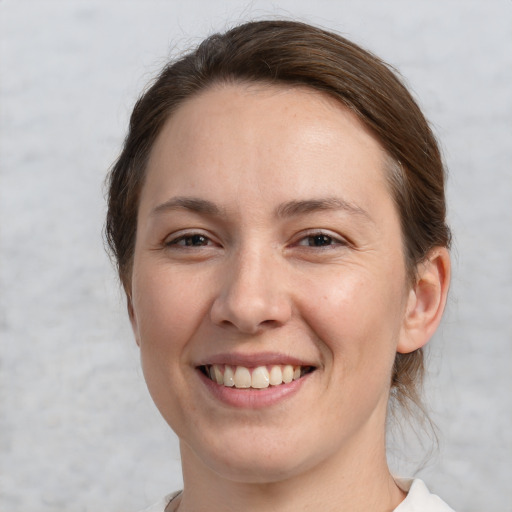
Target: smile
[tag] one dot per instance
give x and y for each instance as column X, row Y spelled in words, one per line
column 260, row 377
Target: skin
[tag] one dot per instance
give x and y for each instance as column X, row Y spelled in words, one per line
column 244, row 276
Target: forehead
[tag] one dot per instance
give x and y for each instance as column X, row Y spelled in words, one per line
column 283, row 142
column 260, row 108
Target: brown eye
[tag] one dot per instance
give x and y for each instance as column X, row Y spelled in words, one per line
column 319, row 240
column 190, row 241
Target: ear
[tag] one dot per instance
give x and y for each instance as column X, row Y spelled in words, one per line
column 133, row 318
column 426, row 301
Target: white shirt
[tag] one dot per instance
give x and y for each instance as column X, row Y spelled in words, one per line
column 418, row 499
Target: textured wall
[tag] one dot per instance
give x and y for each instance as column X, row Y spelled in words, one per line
column 77, row 429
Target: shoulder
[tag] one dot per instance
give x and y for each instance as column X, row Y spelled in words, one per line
column 419, row 499
column 162, row 504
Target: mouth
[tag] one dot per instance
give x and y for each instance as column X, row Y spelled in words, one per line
column 260, row 377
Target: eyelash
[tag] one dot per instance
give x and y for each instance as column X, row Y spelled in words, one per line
column 194, row 237
column 198, row 240
column 320, row 236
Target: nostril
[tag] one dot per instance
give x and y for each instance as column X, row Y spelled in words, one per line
column 250, row 318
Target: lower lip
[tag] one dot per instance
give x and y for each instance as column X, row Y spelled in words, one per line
column 250, row 398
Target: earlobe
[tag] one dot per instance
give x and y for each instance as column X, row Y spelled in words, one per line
column 426, row 301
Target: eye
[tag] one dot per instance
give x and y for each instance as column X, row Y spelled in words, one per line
column 189, row 240
column 320, row 240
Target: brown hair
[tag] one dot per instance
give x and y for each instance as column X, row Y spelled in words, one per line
column 297, row 54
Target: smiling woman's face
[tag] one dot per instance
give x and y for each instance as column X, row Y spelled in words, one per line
column 268, row 249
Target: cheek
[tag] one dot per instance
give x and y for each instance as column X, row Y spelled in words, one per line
column 167, row 313
column 167, row 308
column 356, row 316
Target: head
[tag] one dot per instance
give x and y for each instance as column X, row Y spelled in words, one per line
column 291, row 54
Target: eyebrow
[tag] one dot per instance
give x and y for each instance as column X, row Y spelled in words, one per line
column 285, row 210
column 193, row 204
column 301, row 207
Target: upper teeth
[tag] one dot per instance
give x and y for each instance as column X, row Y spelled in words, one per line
column 258, row 378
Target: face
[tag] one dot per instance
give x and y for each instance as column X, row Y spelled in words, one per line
column 268, row 289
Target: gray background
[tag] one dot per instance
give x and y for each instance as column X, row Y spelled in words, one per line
column 78, row 431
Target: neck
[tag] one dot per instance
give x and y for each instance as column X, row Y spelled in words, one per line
column 351, row 480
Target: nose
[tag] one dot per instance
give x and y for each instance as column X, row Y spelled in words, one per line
column 252, row 295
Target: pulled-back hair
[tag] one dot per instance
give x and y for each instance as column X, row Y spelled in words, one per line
column 296, row 54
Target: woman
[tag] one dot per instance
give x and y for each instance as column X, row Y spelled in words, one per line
column 278, row 220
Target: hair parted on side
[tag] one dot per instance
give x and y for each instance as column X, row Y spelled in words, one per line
column 289, row 53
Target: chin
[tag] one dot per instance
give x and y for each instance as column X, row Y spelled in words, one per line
column 255, row 463
column 256, row 471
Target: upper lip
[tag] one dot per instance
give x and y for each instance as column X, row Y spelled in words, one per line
column 254, row 360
